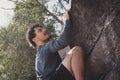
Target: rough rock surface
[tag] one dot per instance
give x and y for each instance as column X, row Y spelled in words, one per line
column 96, row 28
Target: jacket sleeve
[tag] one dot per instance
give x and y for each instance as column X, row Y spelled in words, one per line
column 62, row 41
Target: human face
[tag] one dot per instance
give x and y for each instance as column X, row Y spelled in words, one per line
column 41, row 34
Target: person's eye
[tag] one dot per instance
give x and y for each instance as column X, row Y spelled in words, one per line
column 40, row 30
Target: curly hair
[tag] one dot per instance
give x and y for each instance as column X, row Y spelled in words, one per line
column 31, row 34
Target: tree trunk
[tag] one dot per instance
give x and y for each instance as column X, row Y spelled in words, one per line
column 96, row 28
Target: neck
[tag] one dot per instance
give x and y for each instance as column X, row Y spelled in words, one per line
column 41, row 43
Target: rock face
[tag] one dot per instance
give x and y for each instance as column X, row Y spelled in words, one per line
column 96, row 28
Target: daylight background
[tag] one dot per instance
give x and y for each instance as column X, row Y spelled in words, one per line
column 6, row 12
column 17, row 59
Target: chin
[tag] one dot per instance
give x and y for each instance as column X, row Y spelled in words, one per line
column 48, row 38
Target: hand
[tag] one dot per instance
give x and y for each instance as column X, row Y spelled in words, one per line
column 67, row 16
column 68, row 9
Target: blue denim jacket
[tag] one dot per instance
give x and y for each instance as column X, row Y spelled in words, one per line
column 47, row 57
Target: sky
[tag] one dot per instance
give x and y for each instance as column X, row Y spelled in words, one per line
column 6, row 15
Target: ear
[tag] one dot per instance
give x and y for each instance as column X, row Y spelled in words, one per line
column 34, row 40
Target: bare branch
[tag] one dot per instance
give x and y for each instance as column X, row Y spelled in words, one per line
column 12, row 0
column 54, row 16
column 62, row 5
column 7, row 8
column 68, row 6
column 51, row 14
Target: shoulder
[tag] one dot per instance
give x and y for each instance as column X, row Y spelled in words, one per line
column 45, row 48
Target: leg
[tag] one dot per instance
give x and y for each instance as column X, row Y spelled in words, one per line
column 74, row 63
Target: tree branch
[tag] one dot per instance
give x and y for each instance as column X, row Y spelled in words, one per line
column 12, row 0
column 51, row 14
column 62, row 5
column 7, row 8
column 69, row 5
column 54, row 16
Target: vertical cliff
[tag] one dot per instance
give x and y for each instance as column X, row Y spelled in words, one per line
column 96, row 28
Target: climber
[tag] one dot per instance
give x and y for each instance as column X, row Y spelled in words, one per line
column 48, row 62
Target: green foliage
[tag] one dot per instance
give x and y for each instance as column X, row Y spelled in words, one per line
column 28, row 12
column 17, row 58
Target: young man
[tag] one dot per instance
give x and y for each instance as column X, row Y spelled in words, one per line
column 48, row 63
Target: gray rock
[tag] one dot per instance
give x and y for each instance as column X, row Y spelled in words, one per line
column 96, row 28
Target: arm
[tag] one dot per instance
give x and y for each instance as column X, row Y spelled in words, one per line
column 64, row 39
